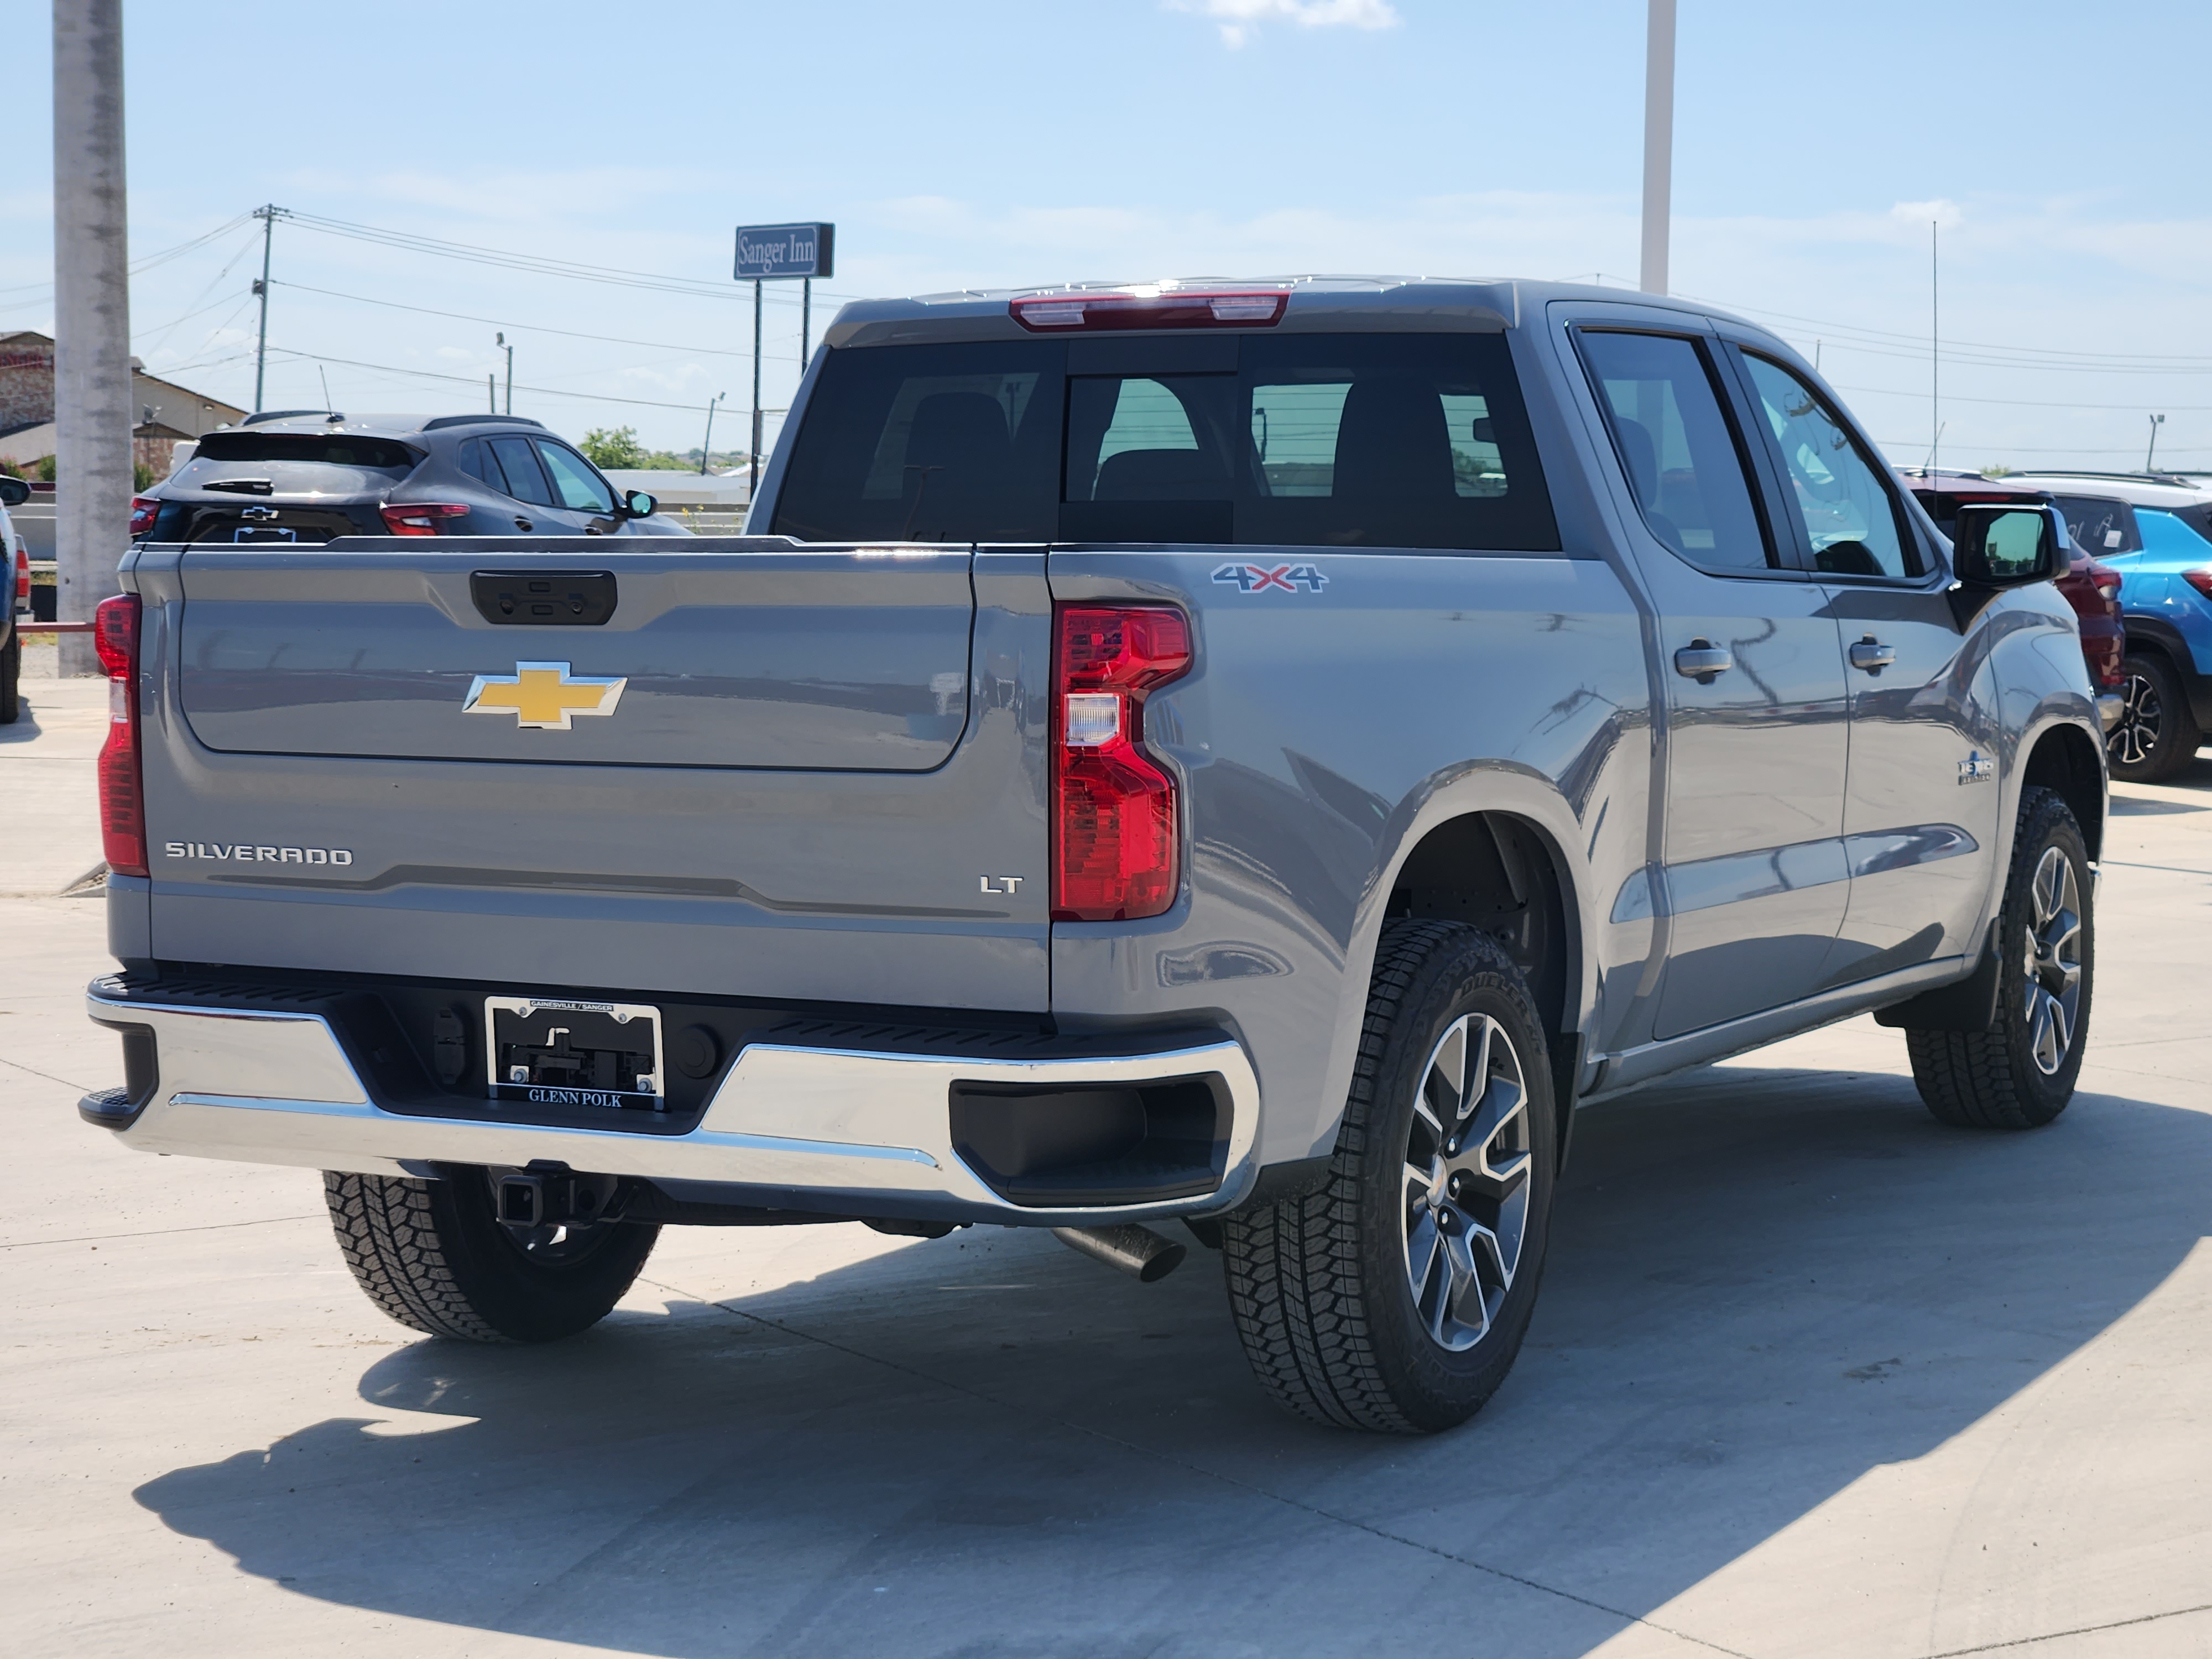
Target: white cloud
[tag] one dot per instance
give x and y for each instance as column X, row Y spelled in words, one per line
column 1241, row 19
column 1940, row 211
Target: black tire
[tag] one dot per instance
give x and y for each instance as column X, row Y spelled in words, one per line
column 1993, row 1078
column 431, row 1254
column 1322, row 1287
column 11, row 679
column 2157, row 736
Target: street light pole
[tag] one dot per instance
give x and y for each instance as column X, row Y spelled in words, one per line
column 2156, row 422
column 500, row 339
column 92, row 316
column 752, row 483
column 1658, row 143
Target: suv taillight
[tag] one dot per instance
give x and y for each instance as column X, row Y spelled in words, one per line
column 2201, row 580
column 22, row 575
column 143, row 511
column 1114, row 837
column 419, row 518
column 122, row 802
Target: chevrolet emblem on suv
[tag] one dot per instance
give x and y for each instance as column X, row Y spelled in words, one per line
column 543, row 695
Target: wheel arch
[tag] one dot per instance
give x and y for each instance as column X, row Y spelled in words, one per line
column 2065, row 758
column 1504, row 872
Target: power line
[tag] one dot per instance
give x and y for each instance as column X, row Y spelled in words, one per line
column 502, row 322
column 150, row 260
column 575, row 270
column 691, row 407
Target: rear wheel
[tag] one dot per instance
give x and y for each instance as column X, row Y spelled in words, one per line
column 2019, row 1073
column 433, row 1255
column 11, row 679
column 1396, row 1297
column 2156, row 735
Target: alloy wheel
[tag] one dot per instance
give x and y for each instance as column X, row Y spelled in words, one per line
column 1467, row 1164
column 2141, row 718
column 2054, row 961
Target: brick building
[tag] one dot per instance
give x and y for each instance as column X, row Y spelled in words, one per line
column 168, row 412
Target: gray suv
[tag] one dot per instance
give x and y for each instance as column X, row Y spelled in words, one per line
column 1247, row 760
column 312, row 475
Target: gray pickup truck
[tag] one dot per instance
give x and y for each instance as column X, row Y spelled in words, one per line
column 1244, row 759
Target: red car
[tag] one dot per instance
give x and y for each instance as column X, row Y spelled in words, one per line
column 2093, row 589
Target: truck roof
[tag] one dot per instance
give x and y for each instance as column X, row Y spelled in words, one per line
column 1316, row 303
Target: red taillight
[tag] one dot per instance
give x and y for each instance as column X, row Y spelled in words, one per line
column 1114, row 819
column 2200, row 580
column 419, row 518
column 22, row 578
column 122, row 804
column 1176, row 308
column 143, row 509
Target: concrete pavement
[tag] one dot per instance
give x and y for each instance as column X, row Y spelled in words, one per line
column 1812, row 1376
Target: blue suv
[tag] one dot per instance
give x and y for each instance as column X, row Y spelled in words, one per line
column 2157, row 529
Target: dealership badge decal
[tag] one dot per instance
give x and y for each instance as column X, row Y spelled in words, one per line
column 542, row 695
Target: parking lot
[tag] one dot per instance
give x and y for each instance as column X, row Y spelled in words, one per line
column 1812, row 1376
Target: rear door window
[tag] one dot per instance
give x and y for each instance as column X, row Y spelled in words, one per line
column 2102, row 526
column 579, row 487
column 1416, row 440
column 517, row 464
column 1678, row 449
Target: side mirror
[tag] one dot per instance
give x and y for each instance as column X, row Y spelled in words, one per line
column 1994, row 545
column 14, row 492
column 638, row 504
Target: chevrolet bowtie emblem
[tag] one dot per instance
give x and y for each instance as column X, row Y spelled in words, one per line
column 543, row 695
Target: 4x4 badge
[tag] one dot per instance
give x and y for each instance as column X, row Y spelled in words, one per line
column 543, row 695
column 1259, row 578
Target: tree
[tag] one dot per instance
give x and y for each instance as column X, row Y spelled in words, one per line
column 617, row 448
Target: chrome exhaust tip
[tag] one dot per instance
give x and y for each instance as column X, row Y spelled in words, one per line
column 1135, row 1250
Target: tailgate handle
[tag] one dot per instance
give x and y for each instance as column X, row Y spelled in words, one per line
column 544, row 598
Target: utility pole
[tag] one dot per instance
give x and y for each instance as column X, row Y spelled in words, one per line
column 752, row 483
column 92, row 316
column 501, row 339
column 1935, row 344
column 1658, row 143
column 268, row 217
column 707, row 443
column 491, row 392
column 2156, row 422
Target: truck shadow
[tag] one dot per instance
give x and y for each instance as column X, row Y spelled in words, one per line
column 1765, row 1284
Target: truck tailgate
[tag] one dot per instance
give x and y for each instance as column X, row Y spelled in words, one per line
column 769, row 772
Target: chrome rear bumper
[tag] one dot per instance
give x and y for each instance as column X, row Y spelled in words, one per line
column 825, row 1128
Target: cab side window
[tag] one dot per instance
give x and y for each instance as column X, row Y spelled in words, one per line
column 1839, row 494
column 1678, row 449
column 580, row 489
column 517, row 464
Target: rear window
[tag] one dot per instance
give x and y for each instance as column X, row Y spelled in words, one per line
column 316, row 448
column 1349, row 440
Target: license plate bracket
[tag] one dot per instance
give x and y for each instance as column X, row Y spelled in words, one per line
column 553, row 1052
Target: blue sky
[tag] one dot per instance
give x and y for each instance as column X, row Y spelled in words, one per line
column 963, row 142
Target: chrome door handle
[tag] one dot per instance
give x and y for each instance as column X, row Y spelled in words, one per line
column 1871, row 654
column 1702, row 661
